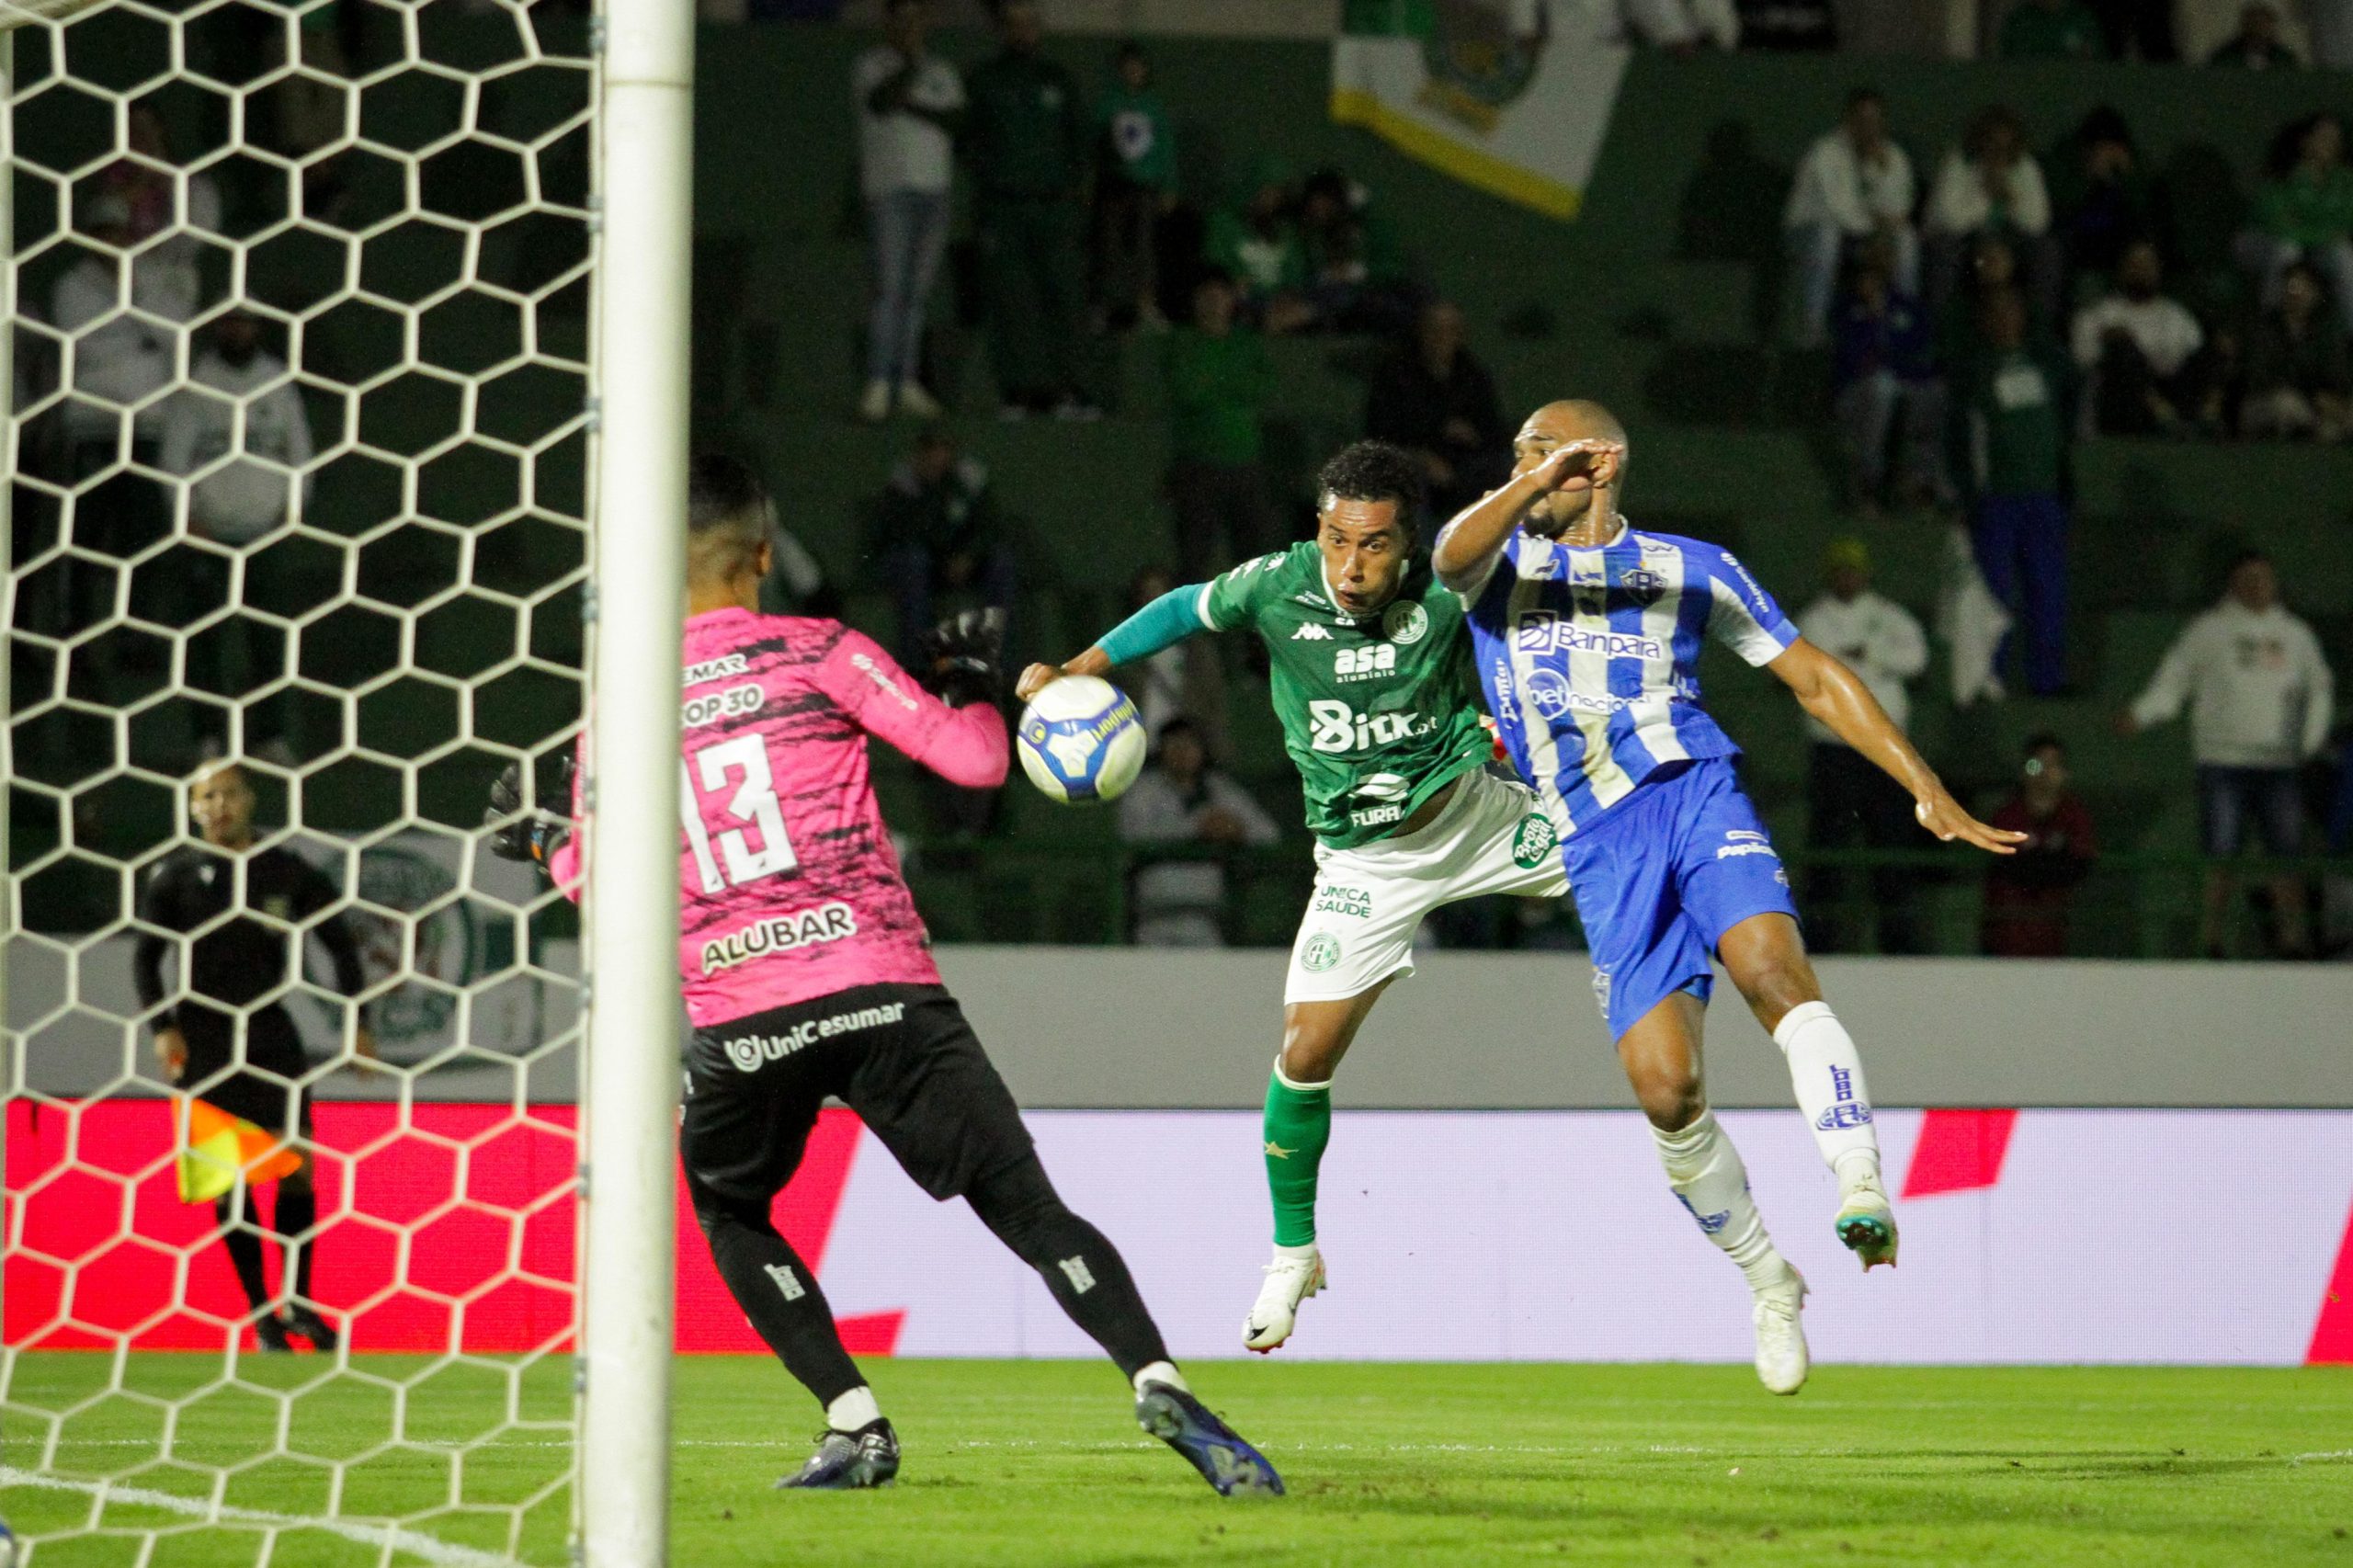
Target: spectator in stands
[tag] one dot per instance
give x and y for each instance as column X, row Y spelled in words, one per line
column 936, row 530
column 1184, row 680
column 1788, row 26
column 1355, row 278
column 1679, row 26
column 1254, row 241
column 1434, row 399
column 1882, row 369
column 2299, row 373
column 908, row 101
column 1180, row 800
column 2256, row 46
column 1991, row 268
column 1850, row 803
column 1135, row 184
column 1991, row 185
column 2143, row 356
column 2052, row 29
column 125, row 358
column 143, row 184
column 2014, row 424
column 1218, row 379
column 2305, row 211
column 799, row 585
column 2029, row 894
column 2139, row 30
column 251, row 495
column 2101, row 198
column 2332, row 32
column 1853, row 184
column 1026, row 135
column 2261, row 701
column 122, row 357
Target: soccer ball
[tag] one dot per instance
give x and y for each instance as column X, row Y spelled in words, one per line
column 1081, row 740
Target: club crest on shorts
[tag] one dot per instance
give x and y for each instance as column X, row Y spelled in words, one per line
column 1405, row 622
column 1321, row 952
column 1533, row 842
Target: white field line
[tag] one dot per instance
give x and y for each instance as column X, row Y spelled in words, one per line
column 413, row 1542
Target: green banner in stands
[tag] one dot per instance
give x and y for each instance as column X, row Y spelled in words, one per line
column 1492, row 94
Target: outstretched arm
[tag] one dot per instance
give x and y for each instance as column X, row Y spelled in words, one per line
column 965, row 744
column 1165, row 622
column 1831, row 692
column 1467, row 547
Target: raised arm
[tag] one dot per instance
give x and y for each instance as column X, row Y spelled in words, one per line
column 1833, row 694
column 1165, row 622
column 1467, row 547
column 966, row 746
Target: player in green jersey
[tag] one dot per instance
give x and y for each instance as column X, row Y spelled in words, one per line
column 1373, row 685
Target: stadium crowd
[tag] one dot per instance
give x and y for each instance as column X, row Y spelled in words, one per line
column 1980, row 312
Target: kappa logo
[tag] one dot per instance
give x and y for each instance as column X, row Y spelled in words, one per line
column 1310, row 633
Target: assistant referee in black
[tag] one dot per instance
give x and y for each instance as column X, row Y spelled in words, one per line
column 217, row 1045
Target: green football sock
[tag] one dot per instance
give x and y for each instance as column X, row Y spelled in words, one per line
column 1298, row 1125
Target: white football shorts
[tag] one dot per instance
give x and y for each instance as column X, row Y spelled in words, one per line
column 1492, row 837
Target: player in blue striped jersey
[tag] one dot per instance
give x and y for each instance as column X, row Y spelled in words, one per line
column 1587, row 634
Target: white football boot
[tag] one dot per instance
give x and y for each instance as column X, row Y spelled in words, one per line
column 1782, row 1359
column 1865, row 1222
column 1290, row 1280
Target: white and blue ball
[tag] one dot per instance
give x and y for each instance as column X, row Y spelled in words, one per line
column 1081, row 740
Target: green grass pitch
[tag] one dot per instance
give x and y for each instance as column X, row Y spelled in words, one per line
column 1037, row 1462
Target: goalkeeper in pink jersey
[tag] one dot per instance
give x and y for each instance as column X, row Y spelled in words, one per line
column 807, row 973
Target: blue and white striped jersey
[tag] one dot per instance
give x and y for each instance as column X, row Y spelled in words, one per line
column 1590, row 659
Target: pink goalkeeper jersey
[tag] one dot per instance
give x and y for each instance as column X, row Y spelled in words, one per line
column 788, row 888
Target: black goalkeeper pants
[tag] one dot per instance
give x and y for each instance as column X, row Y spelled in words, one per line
column 903, row 1058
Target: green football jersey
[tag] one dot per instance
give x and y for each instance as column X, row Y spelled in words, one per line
column 1378, row 714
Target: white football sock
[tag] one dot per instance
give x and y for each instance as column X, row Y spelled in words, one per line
column 1705, row 1171
column 853, row 1410
column 1161, row 1372
column 1827, row 1073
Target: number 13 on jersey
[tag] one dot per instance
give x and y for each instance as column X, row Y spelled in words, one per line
column 708, row 770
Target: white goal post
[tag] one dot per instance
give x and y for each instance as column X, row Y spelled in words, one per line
column 463, row 167
column 645, row 138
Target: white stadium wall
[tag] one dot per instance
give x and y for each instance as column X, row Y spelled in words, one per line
column 2033, row 1235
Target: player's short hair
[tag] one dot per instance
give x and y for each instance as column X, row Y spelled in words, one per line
column 2045, row 740
column 1374, row 471
column 2242, row 559
column 1858, row 97
column 727, row 515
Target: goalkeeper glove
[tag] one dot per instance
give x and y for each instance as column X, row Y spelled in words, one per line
column 521, row 833
column 960, row 654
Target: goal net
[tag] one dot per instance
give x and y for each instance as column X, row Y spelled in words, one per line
column 303, row 447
